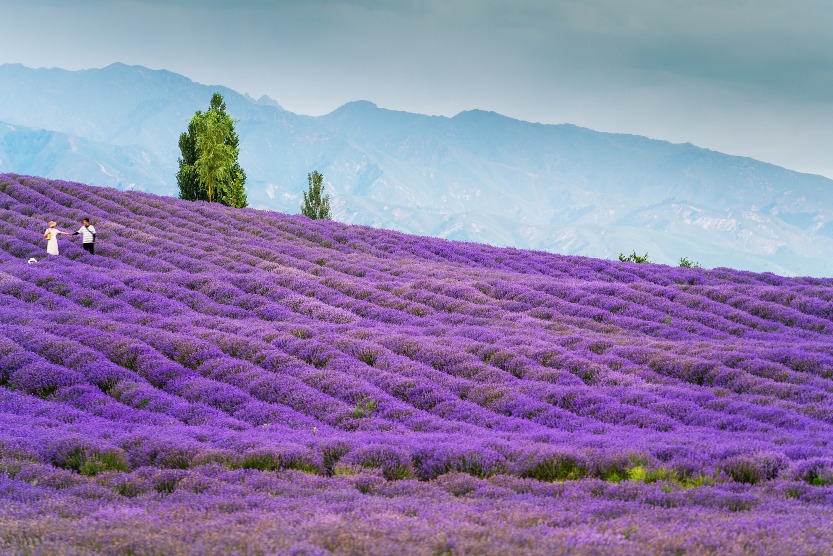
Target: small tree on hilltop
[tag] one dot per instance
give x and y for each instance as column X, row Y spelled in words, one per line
column 316, row 205
column 634, row 258
column 208, row 168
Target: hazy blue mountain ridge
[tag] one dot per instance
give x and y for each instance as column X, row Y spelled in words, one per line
column 573, row 190
column 119, row 104
column 477, row 176
column 54, row 153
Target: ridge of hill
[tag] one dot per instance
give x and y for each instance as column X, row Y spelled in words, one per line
column 477, row 176
column 214, row 370
column 59, row 153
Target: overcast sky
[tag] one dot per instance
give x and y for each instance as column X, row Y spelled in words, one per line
column 746, row 77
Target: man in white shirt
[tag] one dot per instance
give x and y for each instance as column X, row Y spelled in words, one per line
column 87, row 232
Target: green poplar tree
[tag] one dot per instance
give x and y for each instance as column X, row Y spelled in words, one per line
column 316, row 205
column 208, row 167
column 214, row 156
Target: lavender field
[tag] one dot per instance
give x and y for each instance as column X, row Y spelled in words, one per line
column 227, row 381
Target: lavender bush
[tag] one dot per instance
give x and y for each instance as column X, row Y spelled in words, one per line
column 220, row 380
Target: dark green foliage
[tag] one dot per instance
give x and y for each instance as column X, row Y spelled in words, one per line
column 394, row 465
column 368, row 356
column 208, row 167
column 634, row 258
column 261, row 460
column 556, row 467
column 301, row 333
column 684, row 262
column 166, row 483
column 267, row 460
column 331, row 454
column 126, row 487
column 187, row 178
column 90, row 461
column 300, row 462
column 754, row 468
column 316, row 205
column 816, row 472
column 364, row 408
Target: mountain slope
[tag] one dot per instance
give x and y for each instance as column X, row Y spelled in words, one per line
column 58, row 154
column 477, row 176
column 566, row 189
column 121, row 105
column 249, row 381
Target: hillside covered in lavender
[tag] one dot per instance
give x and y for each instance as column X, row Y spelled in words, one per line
column 227, row 381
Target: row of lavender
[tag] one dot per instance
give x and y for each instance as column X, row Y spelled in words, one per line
column 201, row 338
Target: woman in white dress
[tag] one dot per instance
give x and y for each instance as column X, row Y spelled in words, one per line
column 51, row 234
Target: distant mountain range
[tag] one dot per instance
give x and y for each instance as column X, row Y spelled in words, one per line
column 477, row 176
